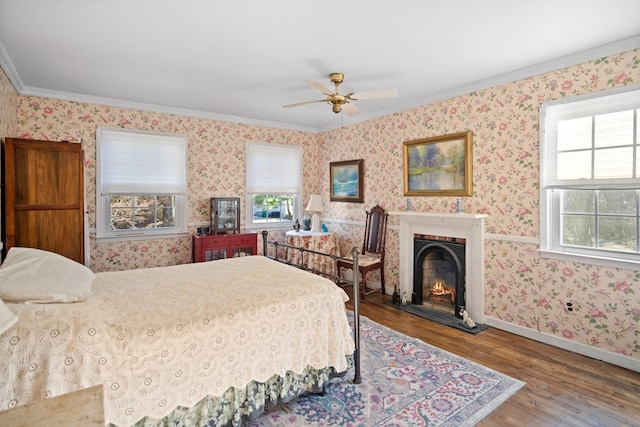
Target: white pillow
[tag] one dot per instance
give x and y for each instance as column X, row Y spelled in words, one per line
column 36, row 276
column 7, row 318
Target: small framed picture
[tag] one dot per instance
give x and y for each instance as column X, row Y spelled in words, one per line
column 346, row 181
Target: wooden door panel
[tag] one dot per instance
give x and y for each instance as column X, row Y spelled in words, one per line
column 51, row 230
column 46, row 177
column 43, row 205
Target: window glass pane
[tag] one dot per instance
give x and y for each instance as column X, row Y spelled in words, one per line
column 144, row 217
column 166, row 211
column 613, row 163
column 142, row 212
column 144, row 200
column 614, row 129
column 574, row 165
column 272, row 207
column 579, row 201
column 574, row 134
column 617, row 233
column 119, row 201
column 578, row 230
column 617, row 202
column 637, row 142
column 167, row 217
column 121, row 218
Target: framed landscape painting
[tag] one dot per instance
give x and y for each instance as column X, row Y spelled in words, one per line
column 439, row 166
column 346, row 181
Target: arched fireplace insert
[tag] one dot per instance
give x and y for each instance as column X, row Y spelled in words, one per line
column 439, row 273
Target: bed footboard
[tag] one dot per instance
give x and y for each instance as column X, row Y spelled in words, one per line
column 279, row 250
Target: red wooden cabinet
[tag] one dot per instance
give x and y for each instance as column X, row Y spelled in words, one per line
column 213, row 247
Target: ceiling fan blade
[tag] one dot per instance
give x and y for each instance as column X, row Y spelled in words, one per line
column 350, row 109
column 319, row 86
column 389, row 93
column 297, row 104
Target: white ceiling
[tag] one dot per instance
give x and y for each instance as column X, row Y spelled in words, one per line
column 242, row 60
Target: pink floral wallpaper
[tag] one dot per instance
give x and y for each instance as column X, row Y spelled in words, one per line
column 216, row 165
column 8, row 107
column 521, row 287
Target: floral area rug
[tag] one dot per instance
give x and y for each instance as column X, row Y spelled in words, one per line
column 405, row 382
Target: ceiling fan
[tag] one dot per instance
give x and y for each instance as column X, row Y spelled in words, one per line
column 343, row 102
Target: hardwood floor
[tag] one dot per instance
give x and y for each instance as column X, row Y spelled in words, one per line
column 563, row 388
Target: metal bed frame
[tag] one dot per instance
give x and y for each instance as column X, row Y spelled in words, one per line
column 279, row 254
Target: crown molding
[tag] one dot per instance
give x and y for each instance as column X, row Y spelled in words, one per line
column 121, row 103
column 10, row 70
column 523, row 73
column 520, row 74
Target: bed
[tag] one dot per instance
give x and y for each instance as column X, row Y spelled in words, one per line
column 206, row 343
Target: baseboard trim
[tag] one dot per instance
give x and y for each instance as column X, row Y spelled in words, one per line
column 583, row 349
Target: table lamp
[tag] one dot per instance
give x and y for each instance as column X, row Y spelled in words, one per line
column 315, row 206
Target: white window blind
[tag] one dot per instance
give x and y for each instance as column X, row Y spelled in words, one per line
column 273, row 168
column 132, row 162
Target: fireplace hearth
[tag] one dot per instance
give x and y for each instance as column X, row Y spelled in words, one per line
column 437, row 316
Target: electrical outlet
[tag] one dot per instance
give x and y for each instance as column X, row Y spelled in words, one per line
column 569, row 306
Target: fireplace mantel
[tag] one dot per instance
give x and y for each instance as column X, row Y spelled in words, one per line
column 467, row 226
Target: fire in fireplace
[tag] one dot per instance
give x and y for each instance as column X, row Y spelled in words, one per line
column 440, row 294
column 439, row 273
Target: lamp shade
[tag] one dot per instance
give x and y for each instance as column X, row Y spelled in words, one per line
column 315, row 206
column 315, row 203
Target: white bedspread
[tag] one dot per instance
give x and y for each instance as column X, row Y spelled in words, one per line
column 162, row 337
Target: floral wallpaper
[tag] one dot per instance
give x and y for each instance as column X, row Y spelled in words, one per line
column 521, row 287
column 8, row 107
column 215, row 157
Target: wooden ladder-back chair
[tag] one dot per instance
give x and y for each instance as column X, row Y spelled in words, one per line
column 372, row 257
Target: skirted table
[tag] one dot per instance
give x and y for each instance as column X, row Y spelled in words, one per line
column 315, row 241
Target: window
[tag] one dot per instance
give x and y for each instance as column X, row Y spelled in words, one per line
column 274, row 184
column 590, row 178
column 141, row 184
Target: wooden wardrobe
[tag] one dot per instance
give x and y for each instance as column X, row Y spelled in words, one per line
column 43, row 196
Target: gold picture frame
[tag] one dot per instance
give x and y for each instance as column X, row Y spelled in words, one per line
column 346, row 183
column 439, row 166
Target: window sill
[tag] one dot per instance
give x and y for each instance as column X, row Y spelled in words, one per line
column 272, row 226
column 591, row 259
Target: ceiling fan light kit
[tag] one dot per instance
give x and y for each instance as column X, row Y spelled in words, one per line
column 342, row 102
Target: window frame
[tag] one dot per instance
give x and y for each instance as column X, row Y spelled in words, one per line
column 104, row 233
column 551, row 187
column 295, row 189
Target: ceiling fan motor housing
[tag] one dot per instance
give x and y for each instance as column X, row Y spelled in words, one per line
column 336, row 78
column 337, row 100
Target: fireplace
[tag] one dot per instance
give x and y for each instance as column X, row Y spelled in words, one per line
column 456, row 228
column 439, row 273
